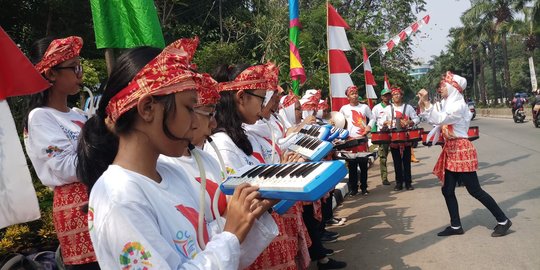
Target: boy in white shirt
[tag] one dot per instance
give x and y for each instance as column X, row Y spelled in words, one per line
column 357, row 116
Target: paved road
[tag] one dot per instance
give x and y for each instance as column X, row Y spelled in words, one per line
column 397, row 230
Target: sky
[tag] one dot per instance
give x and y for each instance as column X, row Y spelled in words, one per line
column 444, row 14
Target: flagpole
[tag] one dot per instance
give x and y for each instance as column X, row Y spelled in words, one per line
column 328, row 59
column 363, row 61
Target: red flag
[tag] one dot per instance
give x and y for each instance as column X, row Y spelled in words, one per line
column 338, row 65
column 386, row 82
column 370, row 80
column 17, row 75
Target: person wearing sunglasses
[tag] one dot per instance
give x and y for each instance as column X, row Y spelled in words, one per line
column 51, row 131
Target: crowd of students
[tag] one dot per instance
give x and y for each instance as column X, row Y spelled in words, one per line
column 127, row 180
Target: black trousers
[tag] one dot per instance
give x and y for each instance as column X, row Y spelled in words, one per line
column 316, row 250
column 326, row 209
column 352, row 164
column 470, row 180
column 402, row 165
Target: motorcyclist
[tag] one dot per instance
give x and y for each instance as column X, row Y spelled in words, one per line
column 517, row 103
column 535, row 101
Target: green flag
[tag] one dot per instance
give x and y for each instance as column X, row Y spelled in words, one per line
column 126, row 24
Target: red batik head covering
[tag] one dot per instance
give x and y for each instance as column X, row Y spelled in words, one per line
column 170, row 72
column 260, row 77
column 351, row 89
column 207, row 95
column 456, row 81
column 59, row 51
column 397, row 90
column 323, row 104
column 289, row 100
column 312, row 99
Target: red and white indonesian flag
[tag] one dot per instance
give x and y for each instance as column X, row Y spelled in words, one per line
column 386, row 82
column 338, row 64
column 394, row 41
column 370, row 80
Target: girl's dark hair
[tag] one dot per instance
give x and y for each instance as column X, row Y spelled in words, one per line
column 38, row 49
column 98, row 146
column 227, row 117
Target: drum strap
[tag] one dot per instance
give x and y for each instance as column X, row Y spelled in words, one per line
column 392, row 109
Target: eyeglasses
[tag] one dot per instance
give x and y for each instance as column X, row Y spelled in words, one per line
column 205, row 113
column 255, row 95
column 78, row 69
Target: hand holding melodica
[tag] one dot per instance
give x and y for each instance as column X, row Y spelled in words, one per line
column 240, row 210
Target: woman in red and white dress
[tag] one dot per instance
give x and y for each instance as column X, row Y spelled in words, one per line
column 51, row 136
column 458, row 161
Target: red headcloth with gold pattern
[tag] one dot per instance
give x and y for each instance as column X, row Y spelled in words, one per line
column 170, row 72
column 323, row 104
column 351, row 89
column 312, row 104
column 207, row 94
column 450, row 79
column 59, row 51
column 396, row 90
column 260, row 77
column 289, row 100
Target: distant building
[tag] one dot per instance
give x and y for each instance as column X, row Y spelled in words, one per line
column 417, row 71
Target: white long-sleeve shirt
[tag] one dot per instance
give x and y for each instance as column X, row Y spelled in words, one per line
column 51, row 144
column 136, row 222
column 458, row 120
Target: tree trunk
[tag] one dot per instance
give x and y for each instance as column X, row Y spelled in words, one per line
column 109, row 59
column 474, row 88
column 494, row 72
column 482, row 81
column 507, row 89
column 49, row 21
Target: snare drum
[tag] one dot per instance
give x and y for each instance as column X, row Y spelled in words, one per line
column 415, row 135
column 424, row 139
column 380, row 137
column 398, row 136
column 473, row 133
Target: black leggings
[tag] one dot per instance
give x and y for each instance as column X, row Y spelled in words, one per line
column 470, row 180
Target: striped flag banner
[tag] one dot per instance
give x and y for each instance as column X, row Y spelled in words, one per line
column 401, row 36
column 298, row 74
column 386, row 82
column 370, row 80
column 338, row 65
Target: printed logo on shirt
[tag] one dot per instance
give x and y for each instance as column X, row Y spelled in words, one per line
column 90, row 218
column 359, row 121
column 72, row 135
column 185, row 244
column 53, row 151
column 134, row 257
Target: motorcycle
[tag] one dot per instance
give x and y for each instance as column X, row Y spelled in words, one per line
column 519, row 115
column 536, row 116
